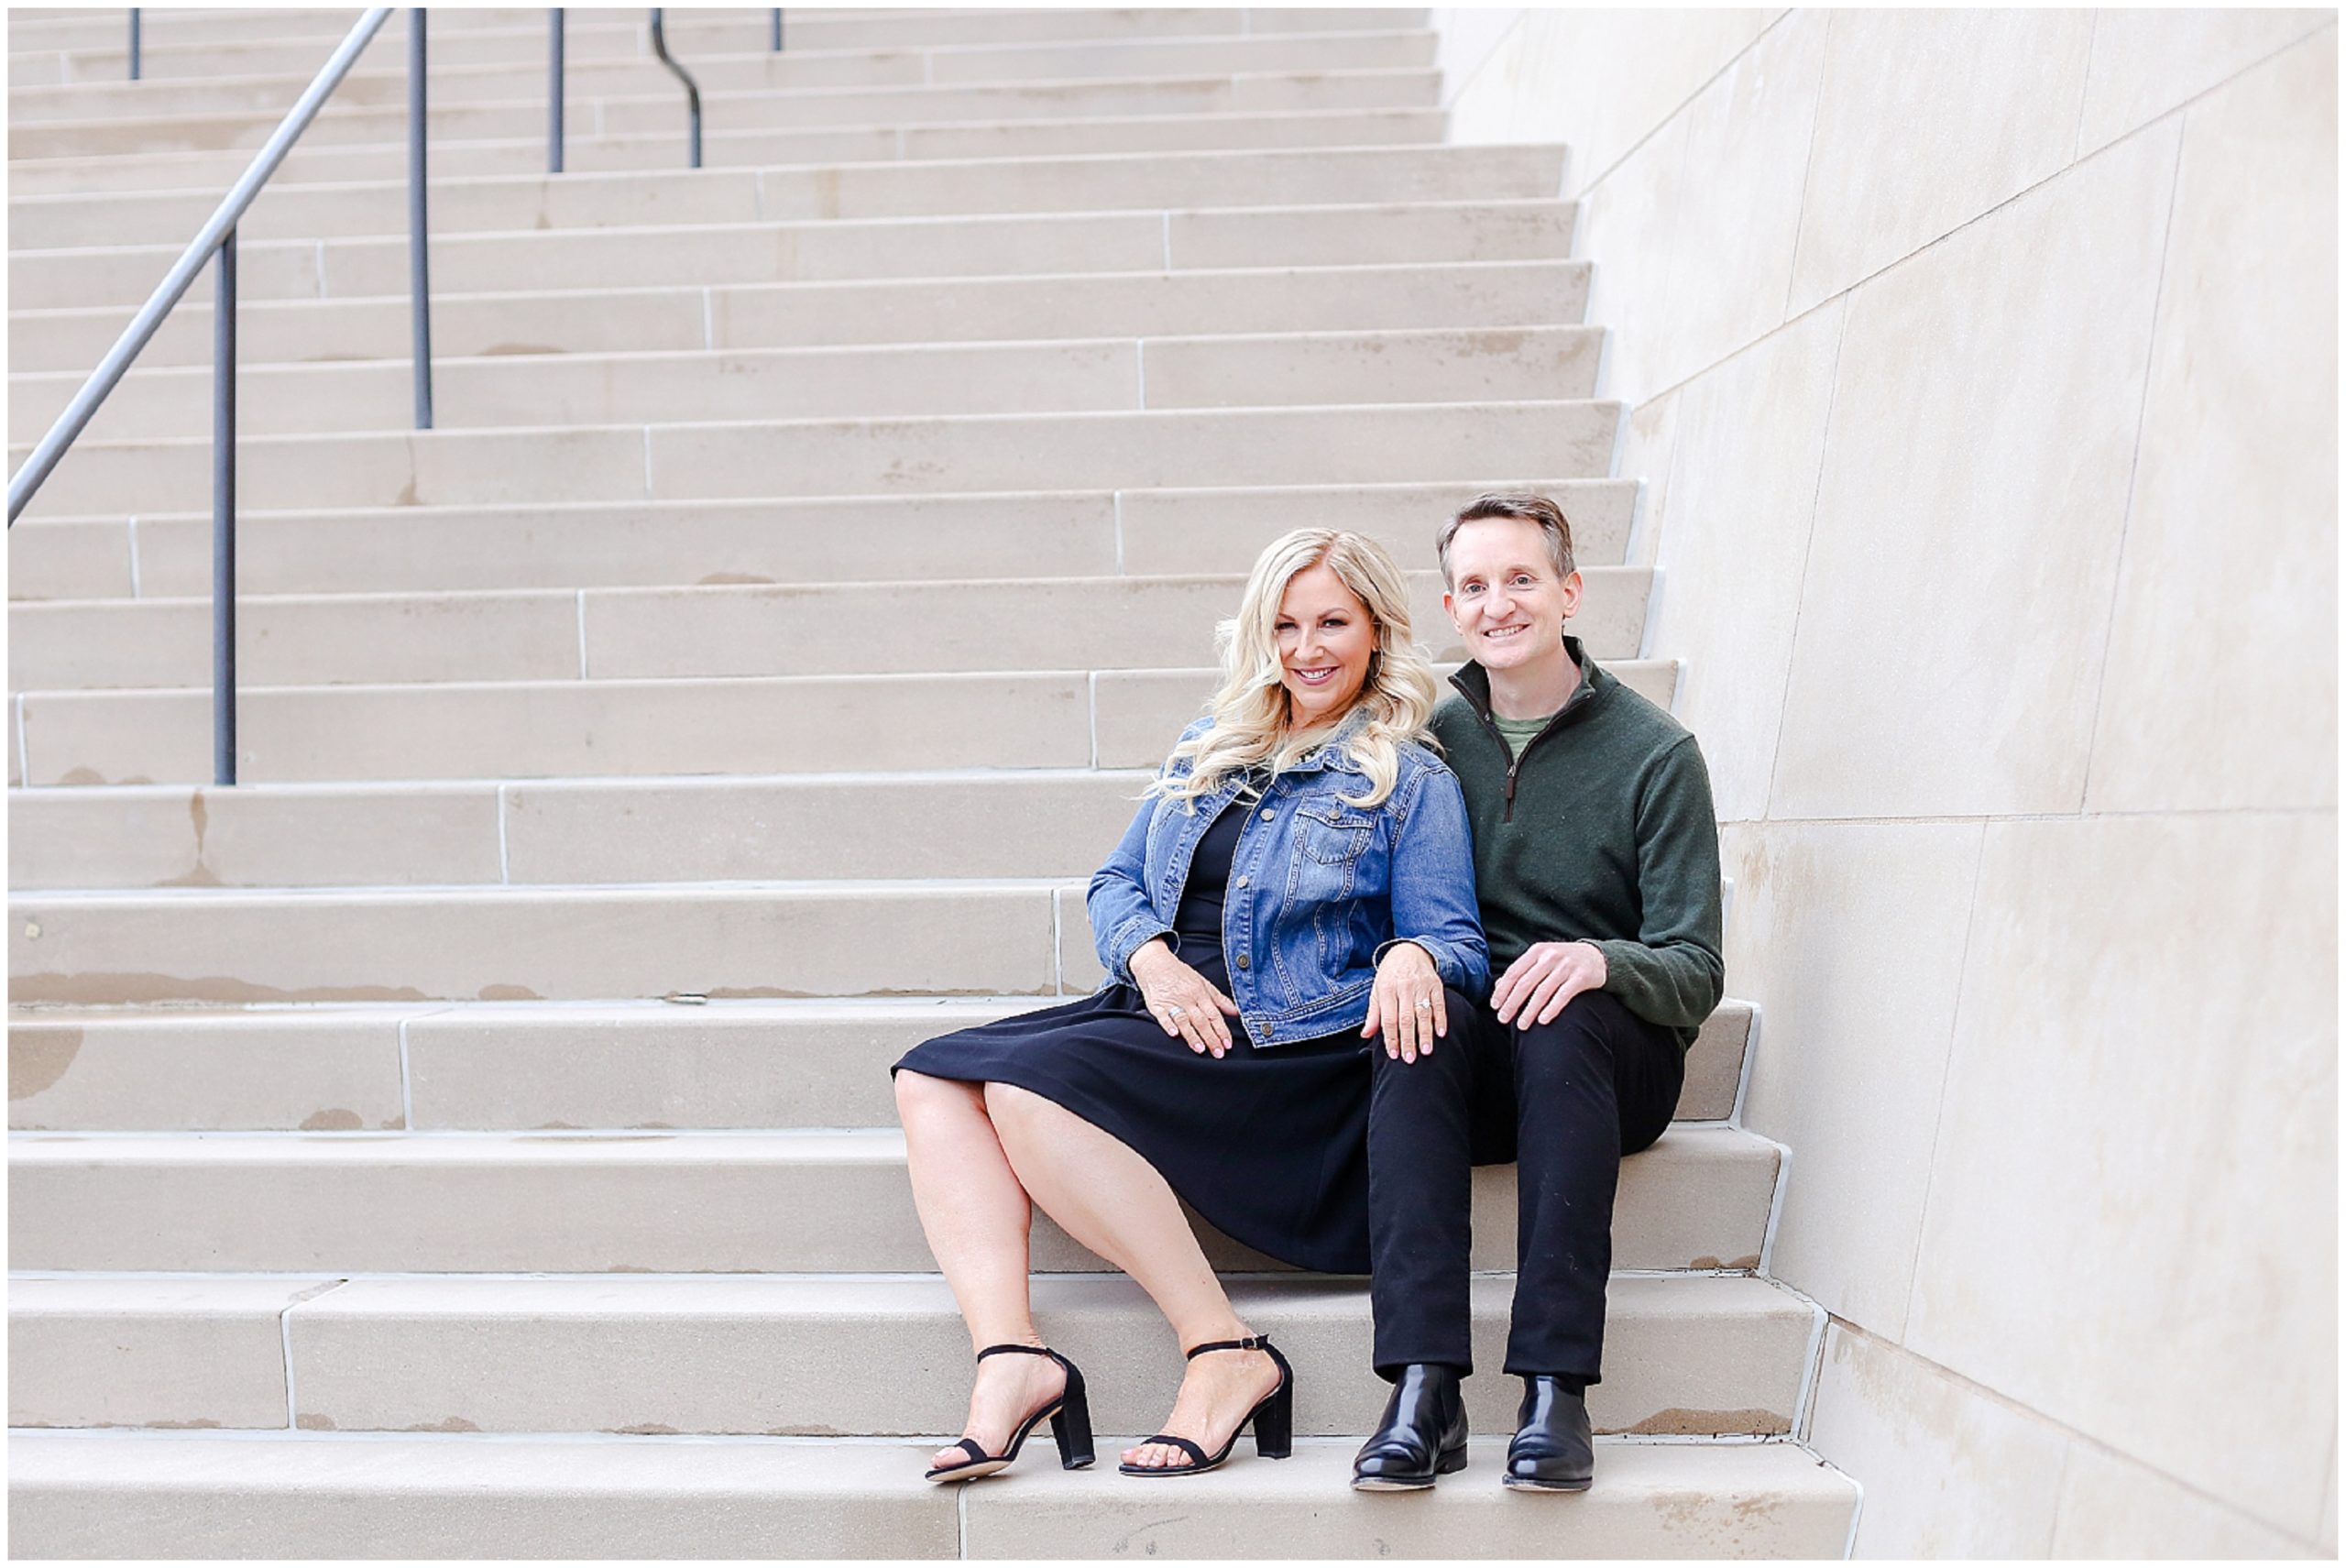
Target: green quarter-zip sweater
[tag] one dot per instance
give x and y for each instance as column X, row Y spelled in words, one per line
column 1600, row 831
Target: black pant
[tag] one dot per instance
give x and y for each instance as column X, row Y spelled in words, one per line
column 1564, row 1101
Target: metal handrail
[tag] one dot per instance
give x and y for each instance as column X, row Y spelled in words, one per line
column 217, row 237
column 692, row 88
column 215, row 230
column 419, row 227
column 777, row 29
column 553, row 90
column 133, row 43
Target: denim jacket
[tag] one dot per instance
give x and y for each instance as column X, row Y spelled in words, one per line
column 1318, row 889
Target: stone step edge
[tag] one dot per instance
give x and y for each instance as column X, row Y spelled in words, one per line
column 1128, row 581
column 106, row 693
column 583, row 74
column 296, row 80
column 739, row 504
column 585, row 361
column 590, row 182
column 685, row 233
column 1104, row 1315
column 445, row 148
column 715, row 99
column 448, row 147
column 455, row 1494
column 18, row 450
column 335, row 302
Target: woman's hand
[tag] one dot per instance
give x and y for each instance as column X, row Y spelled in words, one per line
column 1407, row 1004
column 1184, row 1004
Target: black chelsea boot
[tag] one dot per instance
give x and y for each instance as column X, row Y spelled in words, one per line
column 1553, row 1451
column 1423, row 1434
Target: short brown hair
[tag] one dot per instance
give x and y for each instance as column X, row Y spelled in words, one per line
column 1539, row 510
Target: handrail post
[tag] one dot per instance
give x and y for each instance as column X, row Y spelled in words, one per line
column 553, row 90
column 692, row 88
column 777, row 29
column 419, row 248
column 133, row 43
column 224, row 514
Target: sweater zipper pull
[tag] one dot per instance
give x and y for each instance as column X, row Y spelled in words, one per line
column 1509, row 815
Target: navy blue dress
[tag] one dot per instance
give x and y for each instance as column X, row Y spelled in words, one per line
column 1271, row 1146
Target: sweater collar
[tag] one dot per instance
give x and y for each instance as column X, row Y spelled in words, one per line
column 1474, row 682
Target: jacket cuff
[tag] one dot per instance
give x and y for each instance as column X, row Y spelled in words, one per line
column 1445, row 963
column 1128, row 940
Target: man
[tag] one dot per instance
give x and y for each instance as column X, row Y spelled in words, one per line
column 1597, row 866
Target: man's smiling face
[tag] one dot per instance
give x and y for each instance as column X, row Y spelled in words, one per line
column 1505, row 597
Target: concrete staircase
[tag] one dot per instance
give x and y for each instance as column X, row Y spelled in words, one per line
column 471, row 1135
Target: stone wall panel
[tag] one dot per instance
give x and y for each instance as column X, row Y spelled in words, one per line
column 1973, row 496
column 2133, row 1220
column 1854, row 933
column 1927, row 119
column 2220, row 687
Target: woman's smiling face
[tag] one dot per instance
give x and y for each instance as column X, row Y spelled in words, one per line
column 1326, row 638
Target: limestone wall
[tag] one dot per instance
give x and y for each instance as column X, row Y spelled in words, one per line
column 1985, row 378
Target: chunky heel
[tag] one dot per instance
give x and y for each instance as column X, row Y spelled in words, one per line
column 1275, row 1423
column 1072, row 1425
column 1069, row 1414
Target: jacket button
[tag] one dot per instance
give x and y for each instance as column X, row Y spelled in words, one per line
column 1241, row 882
column 1242, row 961
column 1266, row 814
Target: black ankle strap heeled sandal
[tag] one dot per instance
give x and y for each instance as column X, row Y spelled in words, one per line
column 1068, row 1411
column 1273, row 1417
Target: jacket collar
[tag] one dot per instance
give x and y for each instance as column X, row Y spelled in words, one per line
column 1475, row 683
column 1333, row 752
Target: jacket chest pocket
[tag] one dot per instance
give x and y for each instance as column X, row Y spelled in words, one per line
column 1330, row 834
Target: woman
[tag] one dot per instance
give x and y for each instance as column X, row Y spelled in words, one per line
column 1299, row 877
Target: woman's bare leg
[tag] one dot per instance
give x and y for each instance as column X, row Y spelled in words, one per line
column 976, row 1215
column 1114, row 1201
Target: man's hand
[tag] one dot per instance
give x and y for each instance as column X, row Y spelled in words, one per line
column 1537, row 986
column 1407, row 1002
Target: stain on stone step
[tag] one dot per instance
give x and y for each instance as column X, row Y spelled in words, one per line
column 334, row 1121
column 39, row 1055
column 1710, row 1423
column 99, row 986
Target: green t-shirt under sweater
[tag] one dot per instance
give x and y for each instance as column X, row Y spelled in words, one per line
column 1520, row 730
column 1596, row 828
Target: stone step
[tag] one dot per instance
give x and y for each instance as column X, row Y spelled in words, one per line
column 603, row 728
column 145, row 1495
column 647, row 543
column 676, row 1202
column 1484, row 364
column 524, row 154
column 843, row 629
column 1363, row 444
column 965, row 936
column 803, row 1357
column 173, row 50
column 522, row 1066
column 668, row 197
column 655, row 114
column 381, row 80
column 710, row 255
column 1490, row 294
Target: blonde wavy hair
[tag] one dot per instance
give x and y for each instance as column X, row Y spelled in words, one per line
column 1251, row 711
